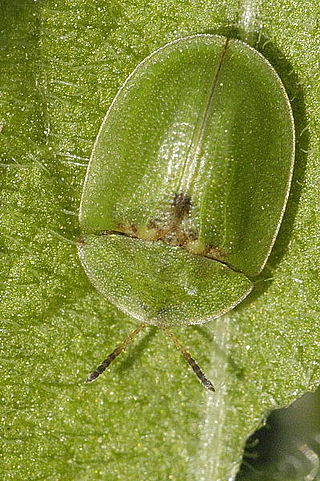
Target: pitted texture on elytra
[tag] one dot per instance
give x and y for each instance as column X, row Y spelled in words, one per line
column 206, row 117
column 160, row 284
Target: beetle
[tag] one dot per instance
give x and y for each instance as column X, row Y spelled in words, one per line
column 187, row 185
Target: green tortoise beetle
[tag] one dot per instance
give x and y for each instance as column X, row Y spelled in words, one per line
column 187, row 185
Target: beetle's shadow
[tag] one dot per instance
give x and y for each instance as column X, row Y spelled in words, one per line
column 209, row 337
column 136, row 351
column 294, row 89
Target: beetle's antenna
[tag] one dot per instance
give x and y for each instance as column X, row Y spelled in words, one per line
column 196, row 368
column 114, row 354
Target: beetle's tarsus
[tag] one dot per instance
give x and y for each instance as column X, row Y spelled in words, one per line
column 197, row 370
column 121, row 347
column 113, row 355
column 187, row 356
column 92, row 377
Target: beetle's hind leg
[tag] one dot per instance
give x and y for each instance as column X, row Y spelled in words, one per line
column 114, row 354
column 187, row 356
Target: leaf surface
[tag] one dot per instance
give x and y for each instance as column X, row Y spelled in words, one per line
column 148, row 418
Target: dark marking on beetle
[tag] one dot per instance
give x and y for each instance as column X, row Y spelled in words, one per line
column 181, row 205
column 215, row 253
column 170, row 231
column 80, row 241
column 179, row 210
column 129, row 229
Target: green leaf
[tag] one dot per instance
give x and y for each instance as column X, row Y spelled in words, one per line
column 148, row 417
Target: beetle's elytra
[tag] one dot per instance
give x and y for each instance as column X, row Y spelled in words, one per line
column 187, row 184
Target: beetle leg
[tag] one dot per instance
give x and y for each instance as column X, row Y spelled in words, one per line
column 187, row 356
column 114, row 354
